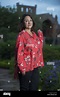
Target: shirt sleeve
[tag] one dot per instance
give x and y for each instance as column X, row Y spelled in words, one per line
column 20, row 54
column 40, row 35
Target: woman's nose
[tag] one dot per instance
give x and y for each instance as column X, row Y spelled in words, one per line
column 29, row 22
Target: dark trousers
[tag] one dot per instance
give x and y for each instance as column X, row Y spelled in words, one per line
column 29, row 81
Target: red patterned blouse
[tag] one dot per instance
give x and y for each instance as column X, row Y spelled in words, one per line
column 29, row 51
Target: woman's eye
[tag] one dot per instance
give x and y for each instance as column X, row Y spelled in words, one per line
column 26, row 21
column 30, row 20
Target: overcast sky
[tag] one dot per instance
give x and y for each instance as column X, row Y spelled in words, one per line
column 43, row 6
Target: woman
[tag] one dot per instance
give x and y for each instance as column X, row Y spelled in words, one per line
column 29, row 55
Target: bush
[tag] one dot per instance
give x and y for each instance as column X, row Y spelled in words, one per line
column 49, row 78
column 7, row 49
column 51, row 52
column 49, row 40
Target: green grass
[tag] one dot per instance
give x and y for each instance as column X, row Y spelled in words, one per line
column 8, row 64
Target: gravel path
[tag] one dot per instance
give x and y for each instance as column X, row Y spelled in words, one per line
column 7, row 82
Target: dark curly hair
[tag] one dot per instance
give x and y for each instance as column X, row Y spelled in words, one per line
column 22, row 25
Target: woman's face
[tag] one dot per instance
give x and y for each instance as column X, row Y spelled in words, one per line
column 28, row 22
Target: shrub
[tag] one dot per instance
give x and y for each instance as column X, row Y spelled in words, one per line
column 51, row 52
column 49, row 78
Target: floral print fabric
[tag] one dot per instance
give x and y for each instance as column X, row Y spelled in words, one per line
column 29, row 51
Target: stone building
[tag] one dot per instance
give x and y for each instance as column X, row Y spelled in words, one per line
column 26, row 9
column 49, row 24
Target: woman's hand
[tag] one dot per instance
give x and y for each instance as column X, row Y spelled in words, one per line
column 24, row 73
column 39, row 30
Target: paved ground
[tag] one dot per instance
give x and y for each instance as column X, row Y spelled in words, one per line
column 7, row 82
